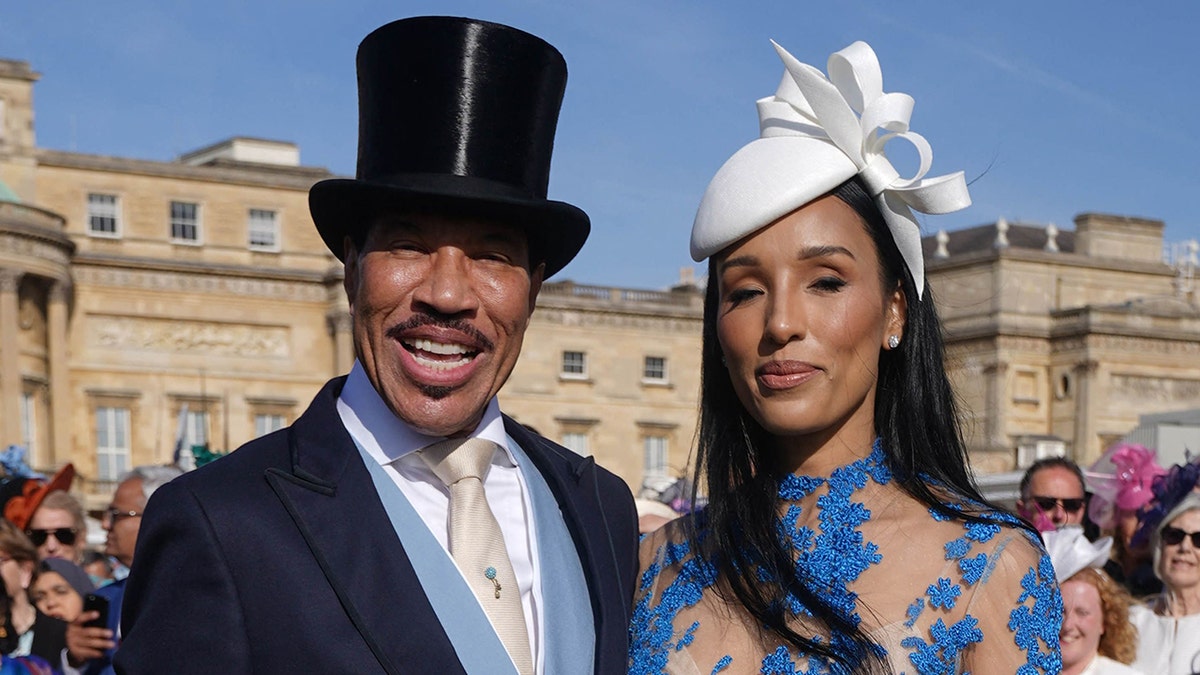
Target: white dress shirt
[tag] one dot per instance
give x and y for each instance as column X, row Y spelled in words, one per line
column 392, row 443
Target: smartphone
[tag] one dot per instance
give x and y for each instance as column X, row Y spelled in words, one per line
column 96, row 603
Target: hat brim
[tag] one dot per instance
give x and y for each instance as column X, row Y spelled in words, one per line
column 19, row 510
column 346, row 208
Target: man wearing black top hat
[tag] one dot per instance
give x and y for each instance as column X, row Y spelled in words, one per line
column 403, row 523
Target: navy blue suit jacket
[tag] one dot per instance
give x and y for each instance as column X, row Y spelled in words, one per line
column 280, row 558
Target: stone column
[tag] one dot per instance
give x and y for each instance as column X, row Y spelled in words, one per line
column 341, row 325
column 60, row 380
column 996, row 428
column 10, row 359
column 1085, row 423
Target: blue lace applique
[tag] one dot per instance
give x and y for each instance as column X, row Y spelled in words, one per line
column 943, row 594
column 1039, row 624
column 957, row 548
column 973, row 568
column 839, row 553
column 982, row 532
column 941, row 656
column 914, row 612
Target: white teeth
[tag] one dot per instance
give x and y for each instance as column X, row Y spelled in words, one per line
column 438, row 365
column 443, row 348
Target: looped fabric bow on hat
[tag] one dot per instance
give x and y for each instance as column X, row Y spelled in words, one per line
column 1121, row 480
column 817, row 133
column 1070, row 551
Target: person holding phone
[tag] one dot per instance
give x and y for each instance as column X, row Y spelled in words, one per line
column 59, row 588
column 25, row 630
column 92, row 638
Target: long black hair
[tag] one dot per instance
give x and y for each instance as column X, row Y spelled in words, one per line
column 916, row 419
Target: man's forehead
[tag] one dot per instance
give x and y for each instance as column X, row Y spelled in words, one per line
column 430, row 223
column 129, row 489
column 1057, row 476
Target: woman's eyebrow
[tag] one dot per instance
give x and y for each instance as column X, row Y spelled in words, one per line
column 809, row 252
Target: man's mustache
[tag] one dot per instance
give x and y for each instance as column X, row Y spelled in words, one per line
column 419, row 320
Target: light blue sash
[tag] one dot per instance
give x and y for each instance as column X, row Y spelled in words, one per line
column 569, row 632
column 475, row 641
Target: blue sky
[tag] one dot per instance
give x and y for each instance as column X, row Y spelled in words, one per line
column 1052, row 109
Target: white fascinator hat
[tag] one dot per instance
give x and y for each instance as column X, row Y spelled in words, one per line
column 815, row 134
column 1070, row 551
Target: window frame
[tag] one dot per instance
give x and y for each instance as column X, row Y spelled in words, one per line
column 650, row 379
column 276, row 230
column 275, row 422
column 659, row 450
column 198, row 239
column 563, row 366
column 113, row 458
column 92, row 214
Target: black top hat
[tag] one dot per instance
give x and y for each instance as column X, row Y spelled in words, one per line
column 455, row 116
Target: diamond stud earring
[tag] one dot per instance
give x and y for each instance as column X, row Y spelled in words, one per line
column 893, row 341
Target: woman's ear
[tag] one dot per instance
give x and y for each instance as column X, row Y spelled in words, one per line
column 895, row 318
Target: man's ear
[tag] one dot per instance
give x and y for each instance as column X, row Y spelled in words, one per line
column 350, row 276
column 535, row 284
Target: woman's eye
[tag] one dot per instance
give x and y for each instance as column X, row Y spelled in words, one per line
column 829, row 284
column 738, row 296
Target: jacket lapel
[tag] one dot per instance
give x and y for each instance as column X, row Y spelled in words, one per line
column 331, row 498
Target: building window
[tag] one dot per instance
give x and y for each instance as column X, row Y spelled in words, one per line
column 574, row 365
column 195, row 429
column 102, row 215
column 112, row 442
column 654, row 369
column 265, row 424
column 29, row 424
column 263, row 227
column 576, row 442
column 655, row 454
column 185, row 222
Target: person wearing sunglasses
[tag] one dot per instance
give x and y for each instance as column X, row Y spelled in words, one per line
column 24, row 629
column 1169, row 624
column 58, row 528
column 1052, row 494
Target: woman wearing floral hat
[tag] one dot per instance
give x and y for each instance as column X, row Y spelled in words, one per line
column 843, row 532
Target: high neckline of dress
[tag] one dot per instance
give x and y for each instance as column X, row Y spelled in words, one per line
column 793, row 487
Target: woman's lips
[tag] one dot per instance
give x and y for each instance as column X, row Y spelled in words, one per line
column 781, row 375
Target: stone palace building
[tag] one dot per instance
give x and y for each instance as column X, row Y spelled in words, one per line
column 144, row 299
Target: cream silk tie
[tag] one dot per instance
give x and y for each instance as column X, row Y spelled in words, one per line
column 477, row 543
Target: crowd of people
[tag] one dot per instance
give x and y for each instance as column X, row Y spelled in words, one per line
column 62, row 598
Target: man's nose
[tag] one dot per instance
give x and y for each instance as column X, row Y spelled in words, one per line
column 447, row 288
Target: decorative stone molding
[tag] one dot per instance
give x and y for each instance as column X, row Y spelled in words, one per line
column 272, row 401
column 174, row 282
column 193, row 337
column 10, row 280
column 1141, row 389
column 26, row 247
column 586, row 319
column 1137, row 345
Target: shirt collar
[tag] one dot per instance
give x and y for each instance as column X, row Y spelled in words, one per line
column 386, row 437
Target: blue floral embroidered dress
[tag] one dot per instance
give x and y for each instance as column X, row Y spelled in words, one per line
column 939, row 595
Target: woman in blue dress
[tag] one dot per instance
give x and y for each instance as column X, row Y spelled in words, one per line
column 843, row 532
